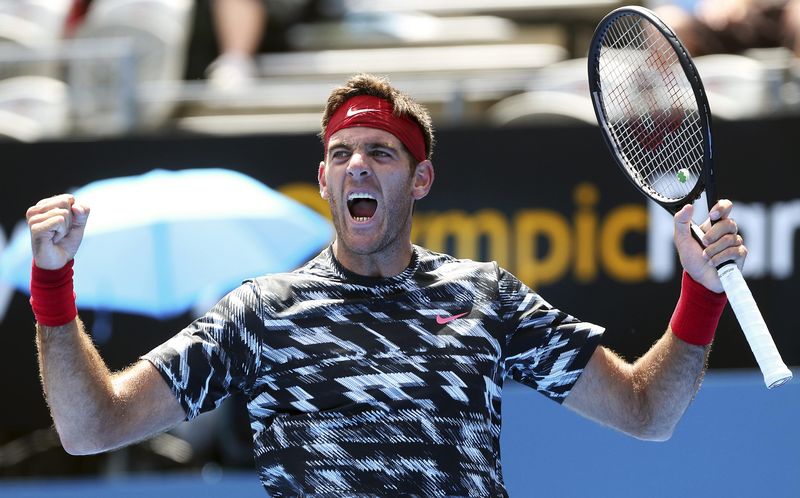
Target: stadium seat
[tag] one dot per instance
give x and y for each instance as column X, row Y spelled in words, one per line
column 33, row 108
column 159, row 32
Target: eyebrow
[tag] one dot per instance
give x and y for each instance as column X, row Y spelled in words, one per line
column 368, row 145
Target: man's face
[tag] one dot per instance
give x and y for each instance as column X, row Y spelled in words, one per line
column 370, row 184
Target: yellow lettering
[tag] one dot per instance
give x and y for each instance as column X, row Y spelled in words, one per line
column 466, row 231
column 530, row 225
column 586, row 196
column 618, row 264
column 418, row 228
column 541, row 247
column 308, row 194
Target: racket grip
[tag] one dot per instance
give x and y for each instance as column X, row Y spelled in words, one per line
column 755, row 329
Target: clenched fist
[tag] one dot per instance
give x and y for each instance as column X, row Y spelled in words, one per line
column 57, row 225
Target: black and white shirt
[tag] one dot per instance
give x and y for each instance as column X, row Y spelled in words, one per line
column 361, row 386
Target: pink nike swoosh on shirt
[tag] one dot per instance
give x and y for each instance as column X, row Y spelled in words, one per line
column 441, row 320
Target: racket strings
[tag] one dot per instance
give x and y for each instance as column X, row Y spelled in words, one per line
column 650, row 108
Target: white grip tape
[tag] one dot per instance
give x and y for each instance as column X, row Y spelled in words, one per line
column 755, row 330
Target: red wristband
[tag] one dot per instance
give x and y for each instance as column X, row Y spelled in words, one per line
column 697, row 313
column 52, row 295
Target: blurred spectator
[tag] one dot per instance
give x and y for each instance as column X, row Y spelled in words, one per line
column 76, row 14
column 241, row 28
column 731, row 26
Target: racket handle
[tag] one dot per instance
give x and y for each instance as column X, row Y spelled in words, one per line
column 755, row 330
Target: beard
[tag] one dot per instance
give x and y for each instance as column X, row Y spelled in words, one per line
column 392, row 232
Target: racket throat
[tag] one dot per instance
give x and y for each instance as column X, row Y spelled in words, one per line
column 697, row 233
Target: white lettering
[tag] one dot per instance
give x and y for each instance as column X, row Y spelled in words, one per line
column 769, row 234
column 752, row 222
column 785, row 220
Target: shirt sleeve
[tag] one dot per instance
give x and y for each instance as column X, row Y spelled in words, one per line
column 546, row 348
column 215, row 356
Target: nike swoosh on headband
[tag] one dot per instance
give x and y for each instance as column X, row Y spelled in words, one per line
column 353, row 111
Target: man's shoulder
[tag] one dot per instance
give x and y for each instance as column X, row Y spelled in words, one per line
column 446, row 264
column 308, row 274
column 431, row 258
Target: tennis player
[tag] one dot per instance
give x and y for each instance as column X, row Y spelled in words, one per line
column 377, row 368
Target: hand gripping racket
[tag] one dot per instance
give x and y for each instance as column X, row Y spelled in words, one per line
column 654, row 115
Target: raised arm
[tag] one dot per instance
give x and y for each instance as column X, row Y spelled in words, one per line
column 93, row 409
column 646, row 399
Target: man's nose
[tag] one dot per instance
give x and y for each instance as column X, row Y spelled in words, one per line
column 358, row 165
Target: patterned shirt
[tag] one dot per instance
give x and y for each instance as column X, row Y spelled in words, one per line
column 362, row 386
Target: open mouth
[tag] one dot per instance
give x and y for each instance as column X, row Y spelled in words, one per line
column 362, row 206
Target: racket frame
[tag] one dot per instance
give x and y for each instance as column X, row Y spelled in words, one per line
column 707, row 181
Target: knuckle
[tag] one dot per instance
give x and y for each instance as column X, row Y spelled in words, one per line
column 728, row 225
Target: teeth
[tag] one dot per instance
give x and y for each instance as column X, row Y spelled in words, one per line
column 360, row 195
column 360, row 218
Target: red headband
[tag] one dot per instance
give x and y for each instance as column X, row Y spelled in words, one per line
column 374, row 112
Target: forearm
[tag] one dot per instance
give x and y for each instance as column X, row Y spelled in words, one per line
column 644, row 399
column 669, row 375
column 77, row 385
column 664, row 382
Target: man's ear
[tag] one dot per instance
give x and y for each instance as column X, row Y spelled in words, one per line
column 323, row 183
column 423, row 179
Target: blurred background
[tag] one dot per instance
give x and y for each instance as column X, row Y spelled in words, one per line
column 100, row 89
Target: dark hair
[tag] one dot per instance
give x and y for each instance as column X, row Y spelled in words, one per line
column 376, row 86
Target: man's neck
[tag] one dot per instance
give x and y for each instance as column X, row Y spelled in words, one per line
column 387, row 263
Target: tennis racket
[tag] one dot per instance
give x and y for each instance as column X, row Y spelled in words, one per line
column 654, row 115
